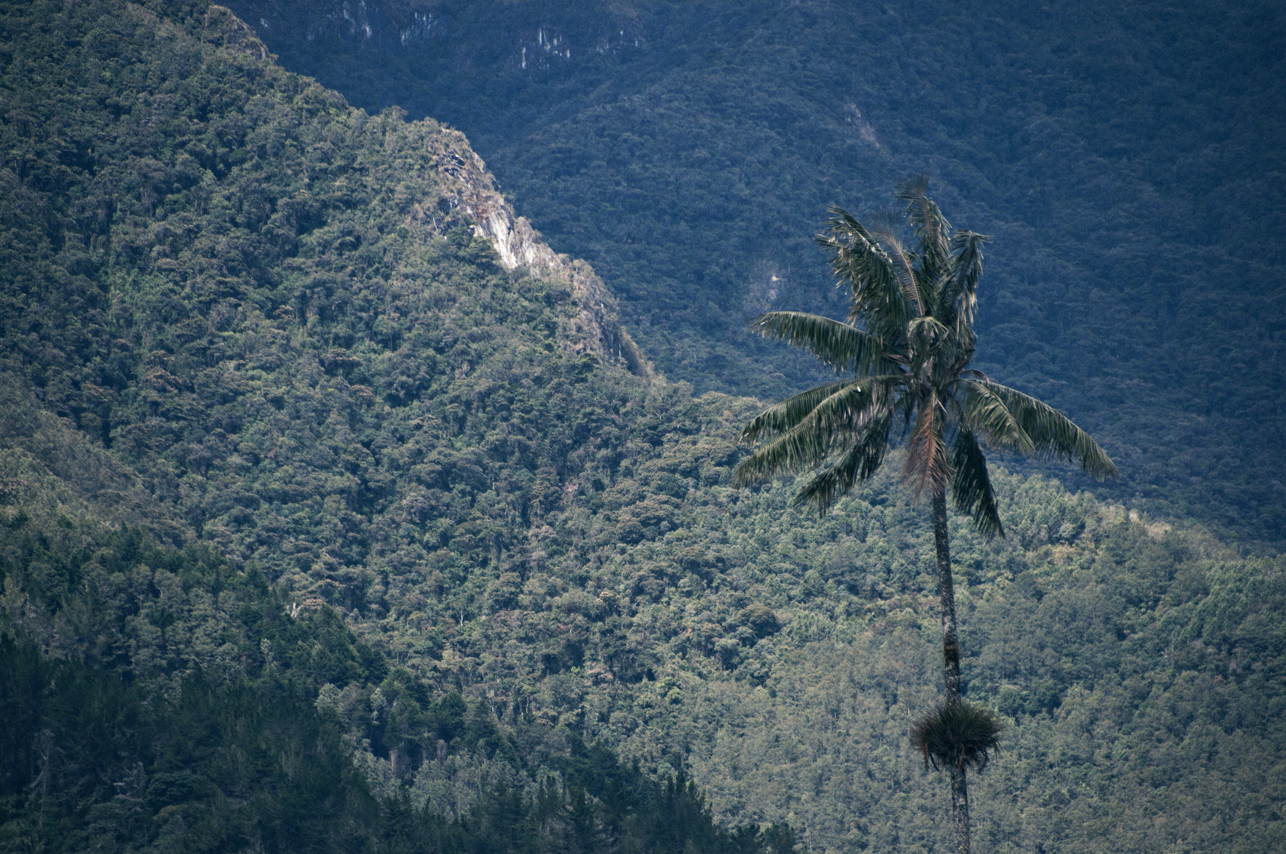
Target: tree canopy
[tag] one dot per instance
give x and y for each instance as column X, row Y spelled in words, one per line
column 262, row 378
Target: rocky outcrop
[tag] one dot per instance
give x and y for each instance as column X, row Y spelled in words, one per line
column 595, row 329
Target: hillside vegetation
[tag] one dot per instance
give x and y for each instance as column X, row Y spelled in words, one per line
column 1126, row 159
column 323, row 526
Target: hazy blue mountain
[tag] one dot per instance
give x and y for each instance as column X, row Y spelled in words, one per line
column 1128, row 161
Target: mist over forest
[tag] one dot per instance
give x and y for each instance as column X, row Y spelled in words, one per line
column 372, row 387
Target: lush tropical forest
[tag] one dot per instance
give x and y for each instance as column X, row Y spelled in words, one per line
column 339, row 512
column 1127, row 159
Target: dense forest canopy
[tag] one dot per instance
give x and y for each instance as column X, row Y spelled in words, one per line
column 335, row 509
column 1127, row 159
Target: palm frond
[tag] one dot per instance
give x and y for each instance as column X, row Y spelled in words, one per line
column 986, row 413
column 786, row 415
column 903, row 264
column 857, row 258
column 793, row 450
column 818, row 423
column 924, row 338
column 857, row 465
column 930, row 225
column 838, row 345
column 1049, row 431
column 959, row 288
column 971, row 486
column 885, row 224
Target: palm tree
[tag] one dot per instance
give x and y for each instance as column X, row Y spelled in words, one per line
column 904, row 352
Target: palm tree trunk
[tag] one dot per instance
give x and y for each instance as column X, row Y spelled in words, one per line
column 960, row 808
column 947, row 595
column 950, row 664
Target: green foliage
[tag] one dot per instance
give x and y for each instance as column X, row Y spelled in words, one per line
column 1123, row 158
column 957, row 734
column 908, row 344
column 156, row 749
column 285, row 395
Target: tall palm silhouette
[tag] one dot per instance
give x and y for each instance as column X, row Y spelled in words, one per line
column 904, row 351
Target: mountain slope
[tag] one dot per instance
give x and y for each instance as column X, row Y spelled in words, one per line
column 1125, row 160
column 192, row 238
column 409, row 447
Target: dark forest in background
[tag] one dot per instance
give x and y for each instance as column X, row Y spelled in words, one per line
column 1130, row 162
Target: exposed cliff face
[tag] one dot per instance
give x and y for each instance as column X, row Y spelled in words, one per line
column 595, row 329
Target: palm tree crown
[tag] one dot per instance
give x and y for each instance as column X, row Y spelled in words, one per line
column 906, row 348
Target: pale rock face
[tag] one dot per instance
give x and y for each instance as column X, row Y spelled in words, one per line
column 595, row 329
column 517, row 243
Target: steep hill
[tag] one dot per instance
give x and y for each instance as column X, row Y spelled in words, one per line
column 317, row 458
column 1127, row 160
column 186, row 229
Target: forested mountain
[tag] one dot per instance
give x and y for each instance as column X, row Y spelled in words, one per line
column 1127, row 160
column 338, row 512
